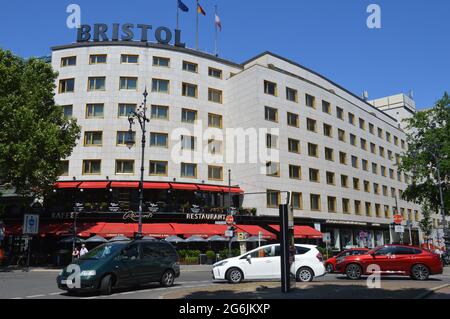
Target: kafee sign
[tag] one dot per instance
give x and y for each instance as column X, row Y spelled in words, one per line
column 101, row 32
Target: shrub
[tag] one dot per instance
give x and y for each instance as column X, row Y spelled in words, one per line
column 211, row 255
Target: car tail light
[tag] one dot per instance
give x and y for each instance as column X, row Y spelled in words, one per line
column 319, row 256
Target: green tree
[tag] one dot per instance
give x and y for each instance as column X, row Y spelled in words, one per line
column 428, row 140
column 34, row 134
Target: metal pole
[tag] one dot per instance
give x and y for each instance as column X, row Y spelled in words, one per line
column 141, row 182
column 441, row 196
column 196, row 33
column 74, row 234
column 29, row 252
column 215, row 31
column 178, row 15
column 398, row 212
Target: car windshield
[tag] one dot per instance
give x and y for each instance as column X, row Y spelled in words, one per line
column 103, row 251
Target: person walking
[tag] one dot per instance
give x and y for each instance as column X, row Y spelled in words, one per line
column 83, row 250
column 75, row 253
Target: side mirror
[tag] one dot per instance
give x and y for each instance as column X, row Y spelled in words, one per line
column 249, row 258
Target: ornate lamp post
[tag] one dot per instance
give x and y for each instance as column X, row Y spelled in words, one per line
column 141, row 116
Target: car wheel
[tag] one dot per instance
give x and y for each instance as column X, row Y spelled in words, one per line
column 329, row 268
column 305, row 274
column 106, row 285
column 420, row 272
column 168, row 278
column 235, row 276
column 353, row 271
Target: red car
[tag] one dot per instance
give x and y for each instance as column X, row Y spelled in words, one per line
column 410, row 261
column 330, row 264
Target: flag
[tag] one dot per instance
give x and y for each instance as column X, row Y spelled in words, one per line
column 200, row 9
column 218, row 23
column 182, row 6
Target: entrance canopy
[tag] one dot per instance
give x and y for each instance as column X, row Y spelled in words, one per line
column 302, row 232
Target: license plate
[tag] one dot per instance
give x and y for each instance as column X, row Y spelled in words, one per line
column 63, row 282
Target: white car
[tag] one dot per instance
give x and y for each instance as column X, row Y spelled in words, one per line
column 265, row 263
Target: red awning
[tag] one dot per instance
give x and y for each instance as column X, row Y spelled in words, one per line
column 158, row 230
column 234, row 190
column 186, row 187
column 125, row 185
column 90, row 229
column 210, row 188
column 148, row 185
column 203, row 230
column 94, row 185
column 110, row 230
column 254, row 230
column 61, row 185
column 303, row 232
column 44, row 229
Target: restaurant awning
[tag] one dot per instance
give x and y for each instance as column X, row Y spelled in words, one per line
column 234, row 190
column 148, row 185
column 125, row 185
column 94, row 185
column 110, row 230
column 254, row 230
column 210, row 188
column 303, row 232
column 158, row 230
column 203, row 230
column 64, row 185
column 186, row 187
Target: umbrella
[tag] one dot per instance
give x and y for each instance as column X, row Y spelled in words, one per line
column 67, row 240
column 96, row 239
column 175, row 239
column 217, row 238
column 149, row 238
column 119, row 238
column 196, row 239
column 255, row 239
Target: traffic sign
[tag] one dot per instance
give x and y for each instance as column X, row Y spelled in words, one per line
column 398, row 219
column 399, row 229
column 30, row 224
column 229, row 220
column 326, row 238
column 229, row 233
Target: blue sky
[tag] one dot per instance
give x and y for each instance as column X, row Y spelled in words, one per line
column 410, row 52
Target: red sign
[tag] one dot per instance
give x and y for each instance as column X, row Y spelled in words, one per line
column 229, row 220
column 398, row 219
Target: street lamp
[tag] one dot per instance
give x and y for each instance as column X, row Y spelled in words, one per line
column 141, row 116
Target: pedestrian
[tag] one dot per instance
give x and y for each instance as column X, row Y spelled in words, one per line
column 83, row 250
column 75, row 253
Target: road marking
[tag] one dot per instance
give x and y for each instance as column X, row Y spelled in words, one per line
column 17, row 298
column 128, row 293
column 35, row 296
column 54, row 293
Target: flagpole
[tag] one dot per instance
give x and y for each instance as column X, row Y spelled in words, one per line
column 215, row 30
column 178, row 15
column 196, row 33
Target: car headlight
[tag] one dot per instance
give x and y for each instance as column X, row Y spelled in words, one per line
column 61, row 272
column 220, row 264
column 88, row 273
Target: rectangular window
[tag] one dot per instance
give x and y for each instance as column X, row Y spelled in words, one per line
column 381, row 151
column 327, row 130
column 391, row 173
column 271, row 141
column 330, row 178
column 344, row 181
column 339, row 113
column 273, row 169
column 371, row 128
column 188, row 116
column 365, row 165
column 356, row 183
column 383, row 171
column 122, row 137
column 97, row 58
column 297, row 201
column 375, row 168
column 291, row 95
column 346, row 206
column 270, row 88
column 341, row 135
column 93, row 138
column 395, row 140
column 215, row 73
column 190, row 67
column 367, row 186
column 362, row 124
column 354, row 161
column 129, row 58
column 215, row 96
column 329, row 154
column 380, row 133
column 368, row 209
column 314, row 175
column 160, row 112
column 128, row 83
column 388, row 137
column 385, row 190
column 311, row 125
column 214, row 147
column 271, row 114
column 315, row 202
column 378, row 210
column 160, row 61
column 215, row 173
column 351, row 118
column 376, row 189
column 96, row 84
column 363, row 144
column 313, row 150
column 353, row 139
column 189, row 90
column 393, row 192
column 159, row 140
column 188, row 142
column 357, row 207
column 295, row 172
column 66, row 86
column 403, row 144
column 273, row 198
column 389, row 154
column 294, row 146
column 68, row 111
column 92, row 167
column 68, row 61
column 125, row 167
column 387, row 213
column 326, row 107
column 94, row 111
column 310, row 101
column 125, row 110
column 188, row 170
column 160, row 86
column 64, row 168
column 158, row 168
column 292, row 119
column 343, row 158
column 214, row 120
column 373, row 148
column 331, row 201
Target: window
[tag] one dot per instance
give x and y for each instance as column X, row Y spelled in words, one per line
column 329, row 154
column 363, row 144
column 294, row 146
column 96, row 84
column 126, row 109
column 128, row 83
column 399, row 176
column 389, row 154
column 190, row 67
column 270, row 88
column 189, row 90
column 94, row 111
column 330, row 178
column 297, row 201
column 159, row 61
column 66, row 86
column 271, row 114
column 315, row 202
column 271, row 141
column 273, row 169
column 351, row 118
column 215, row 96
column 188, row 142
column 385, row 190
column 371, row 128
column 124, row 167
column 311, row 125
column 331, row 201
column 292, row 119
column 159, row 140
column 97, row 58
column 380, row 133
column 313, row 150
column 295, row 172
column 383, row 171
column 215, row 73
column 376, row 189
column 310, row 101
column 367, row 186
column 273, row 198
column 188, row 170
column 314, row 175
column 362, row 124
column 327, row 130
column 356, row 183
column 396, row 140
column 373, row 148
column 160, row 112
column 158, row 168
column 214, row 147
column 214, row 120
column 326, row 107
column 393, row 192
column 188, row 116
column 215, row 173
column 388, row 137
column 374, row 168
column 368, row 209
column 403, row 144
column 344, row 181
column 346, row 206
column 378, row 210
column 122, row 137
column 67, row 111
column 381, row 151
column 68, row 61
column 341, row 135
column 129, row 58
column 160, row 86
column 339, row 113
column 343, row 158
column 93, row 138
column 365, row 165
column 64, row 168
column 291, row 95
column 92, row 167
column 354, row 161
column 391, row 173
column 357, row 207
column 353, row 139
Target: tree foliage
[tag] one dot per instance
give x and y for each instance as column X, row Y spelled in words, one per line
column 34, row 135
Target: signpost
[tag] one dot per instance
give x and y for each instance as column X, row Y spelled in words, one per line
column 398, row 219
column 30, row 228
column 287, row 246
column 398, row 228
column 327, row 241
